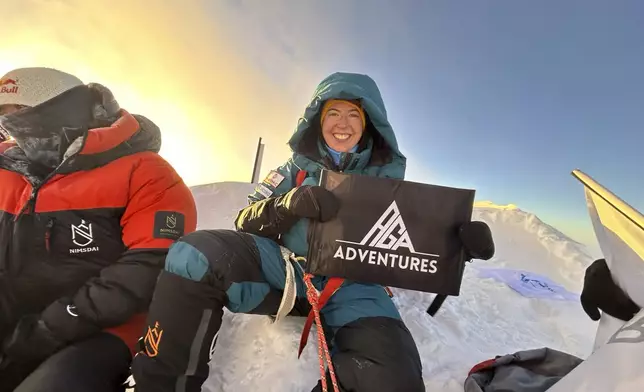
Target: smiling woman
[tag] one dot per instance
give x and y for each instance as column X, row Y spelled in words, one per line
column 343, row 123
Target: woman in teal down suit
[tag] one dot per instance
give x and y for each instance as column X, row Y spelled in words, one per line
column 344, row 128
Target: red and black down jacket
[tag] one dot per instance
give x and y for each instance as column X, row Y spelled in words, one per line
column 83, row 246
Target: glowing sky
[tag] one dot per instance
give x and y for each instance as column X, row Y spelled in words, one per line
column 171, row 64
column 505, row 97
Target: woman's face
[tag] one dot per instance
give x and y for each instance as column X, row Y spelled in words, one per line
column 342, row 126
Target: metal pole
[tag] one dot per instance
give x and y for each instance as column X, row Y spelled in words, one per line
column 258, row 161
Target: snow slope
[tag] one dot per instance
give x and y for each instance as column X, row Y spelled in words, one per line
column 487, row 319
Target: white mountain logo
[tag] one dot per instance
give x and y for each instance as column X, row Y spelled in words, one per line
column 382, row 234
column 389, row 233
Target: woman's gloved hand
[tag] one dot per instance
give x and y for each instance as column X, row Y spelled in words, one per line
column 477, row 240
column 314, row 202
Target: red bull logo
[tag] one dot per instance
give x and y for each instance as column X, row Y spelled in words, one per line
column 8, row 86
column 4, row 82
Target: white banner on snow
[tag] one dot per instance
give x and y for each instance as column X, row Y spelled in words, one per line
column 617, row 363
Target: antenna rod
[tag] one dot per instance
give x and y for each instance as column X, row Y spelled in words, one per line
column 258, row 162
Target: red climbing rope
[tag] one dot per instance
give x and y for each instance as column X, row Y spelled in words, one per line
column 317, row 302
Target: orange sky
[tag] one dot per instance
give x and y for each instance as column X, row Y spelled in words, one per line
column 184, row 68
column 170, row 64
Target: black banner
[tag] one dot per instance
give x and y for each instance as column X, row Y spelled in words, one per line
column 392, row 232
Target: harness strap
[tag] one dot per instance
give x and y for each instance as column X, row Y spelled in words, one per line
column 290, row 286
column 331, row 287
column 300, row 177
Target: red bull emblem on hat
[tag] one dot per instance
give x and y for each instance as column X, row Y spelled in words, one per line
column 8, row 86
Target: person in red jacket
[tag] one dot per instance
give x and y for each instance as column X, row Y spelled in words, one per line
column 88, row 210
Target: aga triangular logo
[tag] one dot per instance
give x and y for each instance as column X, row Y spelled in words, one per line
column 389, row 233
column 382, row 243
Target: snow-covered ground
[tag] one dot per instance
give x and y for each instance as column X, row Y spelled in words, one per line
column 487, row 319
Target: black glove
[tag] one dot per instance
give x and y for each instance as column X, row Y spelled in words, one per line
column 601, row 293
column 30, row 341
column 309, row 201
column 477, row 240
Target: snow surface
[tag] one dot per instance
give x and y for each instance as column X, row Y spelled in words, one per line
column 486, row 320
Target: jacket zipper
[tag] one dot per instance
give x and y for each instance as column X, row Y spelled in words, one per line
column 30, row 205
column 344, row 162
column 34, row 195
column 48, row 227
column 34, row 192
column 32, row 200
